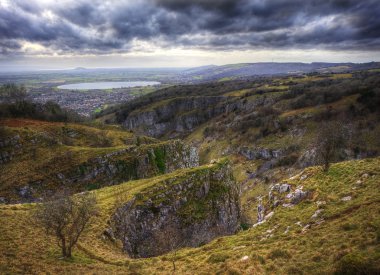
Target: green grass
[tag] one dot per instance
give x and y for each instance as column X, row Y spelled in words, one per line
column 350, row 233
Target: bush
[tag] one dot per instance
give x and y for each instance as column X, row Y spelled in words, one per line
column 245, row 226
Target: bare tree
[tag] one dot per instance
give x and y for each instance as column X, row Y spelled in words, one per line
column 330, row 140
column 66, row 217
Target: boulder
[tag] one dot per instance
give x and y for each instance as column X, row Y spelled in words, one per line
column 297, row 196
column 284, row 188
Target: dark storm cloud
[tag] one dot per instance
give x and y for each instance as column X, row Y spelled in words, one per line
column 89, row 26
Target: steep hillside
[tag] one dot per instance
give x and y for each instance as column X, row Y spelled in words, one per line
column 334, row 228
column 264, row 124
column 38, row 158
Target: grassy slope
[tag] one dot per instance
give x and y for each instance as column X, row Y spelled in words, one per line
column 301, row 130
column 349, row 228
column 50, row 147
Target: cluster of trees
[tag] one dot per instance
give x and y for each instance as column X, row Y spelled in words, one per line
column 14, row 104
column 328, row 91
column 11, row 93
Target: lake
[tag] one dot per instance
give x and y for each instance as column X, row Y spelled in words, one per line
column 107, row 85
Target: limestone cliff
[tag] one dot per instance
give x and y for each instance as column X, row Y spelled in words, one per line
column 186, row 209
column 178, row 115
column 82, row 169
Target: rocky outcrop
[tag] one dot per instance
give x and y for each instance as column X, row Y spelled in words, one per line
column 114, row 167
column 9, row 147
column 188, row 209
column 134, row 162
column 286, row 195
column 260, row 153
column 178, row 115
column 280, row 194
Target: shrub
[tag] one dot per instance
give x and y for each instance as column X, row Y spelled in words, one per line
column 244, row 226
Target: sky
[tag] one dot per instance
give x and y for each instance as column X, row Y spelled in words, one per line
column 52, row 34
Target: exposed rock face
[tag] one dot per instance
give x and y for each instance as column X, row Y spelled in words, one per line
column 260, row 212
column 297, row 196
column 283, row 194
column 9, row 147
column 308, row 158
column 185, row 210
column 260, row 153
column 134, row 162
column 178, row 115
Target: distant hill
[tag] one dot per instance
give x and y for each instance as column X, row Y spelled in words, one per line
column 244, row 70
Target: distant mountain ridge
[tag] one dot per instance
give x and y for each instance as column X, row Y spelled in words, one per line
column 242, row 70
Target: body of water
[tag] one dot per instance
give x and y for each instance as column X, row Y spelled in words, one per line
column 107, row 85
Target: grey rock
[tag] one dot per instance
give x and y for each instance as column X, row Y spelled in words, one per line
column 60, row 176
column 287, row 229
column 260, row 153
column 260, row 212
column 143, row 223
column 178, row 115
column 305, row 228
column 26, row 192
column 284, row 188
column 316, row 214
column 347, row 198
column 269, row 215
column 297, row 196
column 308, row 158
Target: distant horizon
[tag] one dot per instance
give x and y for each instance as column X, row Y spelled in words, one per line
column 79, row 68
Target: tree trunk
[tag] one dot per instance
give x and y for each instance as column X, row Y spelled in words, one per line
column 173, row 261
column 63, row 247
column 326, row 166
column 174, row 268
